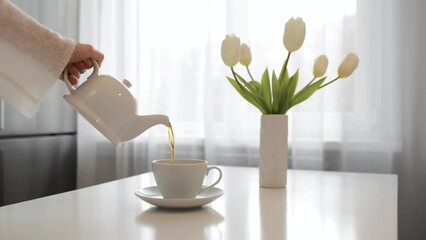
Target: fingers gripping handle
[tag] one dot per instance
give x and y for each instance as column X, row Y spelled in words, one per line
column 67, row 81
column 216, row 182
column 70, row 87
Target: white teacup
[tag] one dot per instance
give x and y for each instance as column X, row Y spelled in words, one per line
column 183, row 178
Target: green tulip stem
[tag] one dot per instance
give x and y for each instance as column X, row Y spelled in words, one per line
column 249, row 73
column 284, row 70
column 236, row 79
column 337, row 78
column 244, row 88
column 239, row 84
column 311, row 81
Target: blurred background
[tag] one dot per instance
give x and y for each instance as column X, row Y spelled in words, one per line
column 373, row 122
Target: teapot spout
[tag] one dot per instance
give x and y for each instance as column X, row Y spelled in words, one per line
column 149, row 121
column 139, row 124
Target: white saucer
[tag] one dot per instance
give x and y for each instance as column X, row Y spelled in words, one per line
column 152, row 195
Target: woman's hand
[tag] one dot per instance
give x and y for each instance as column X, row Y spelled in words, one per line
column 80, row 61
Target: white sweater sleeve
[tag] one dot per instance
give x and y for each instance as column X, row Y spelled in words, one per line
column 32, row 58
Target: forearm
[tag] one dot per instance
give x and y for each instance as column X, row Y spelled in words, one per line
column 31, row 58
column 44, row 46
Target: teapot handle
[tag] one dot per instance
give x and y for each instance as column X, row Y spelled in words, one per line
column 70, row 87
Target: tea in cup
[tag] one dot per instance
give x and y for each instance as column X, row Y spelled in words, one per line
column 183, row 178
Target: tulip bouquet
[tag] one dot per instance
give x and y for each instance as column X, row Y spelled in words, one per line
column 277, row 94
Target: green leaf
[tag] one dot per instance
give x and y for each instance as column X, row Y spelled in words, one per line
column 283, row 70
column 285, row 79
column 256, row 86
column 305, row 93
column 246, row 95
column 275, row 93
column 266, row 88
column 292, row 85
column 245, row 83
column 257, row 96
column 283, row 93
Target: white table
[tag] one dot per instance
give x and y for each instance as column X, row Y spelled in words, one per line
column 315, row 205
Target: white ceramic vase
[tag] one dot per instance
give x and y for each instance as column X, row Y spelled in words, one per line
column 273, row 152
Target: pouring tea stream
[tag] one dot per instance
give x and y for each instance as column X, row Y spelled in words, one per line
column 108, row 105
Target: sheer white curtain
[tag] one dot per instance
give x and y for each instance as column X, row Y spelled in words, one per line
column 170, row 51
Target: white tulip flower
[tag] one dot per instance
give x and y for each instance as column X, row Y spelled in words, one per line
column 320, row 66
column 245, row 55
column 231, row 50
column 294, row 34
column 348, row 65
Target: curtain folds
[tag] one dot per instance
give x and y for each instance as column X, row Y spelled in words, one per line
column 170, row 51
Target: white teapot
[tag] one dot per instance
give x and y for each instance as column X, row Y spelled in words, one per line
column 109, row 106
